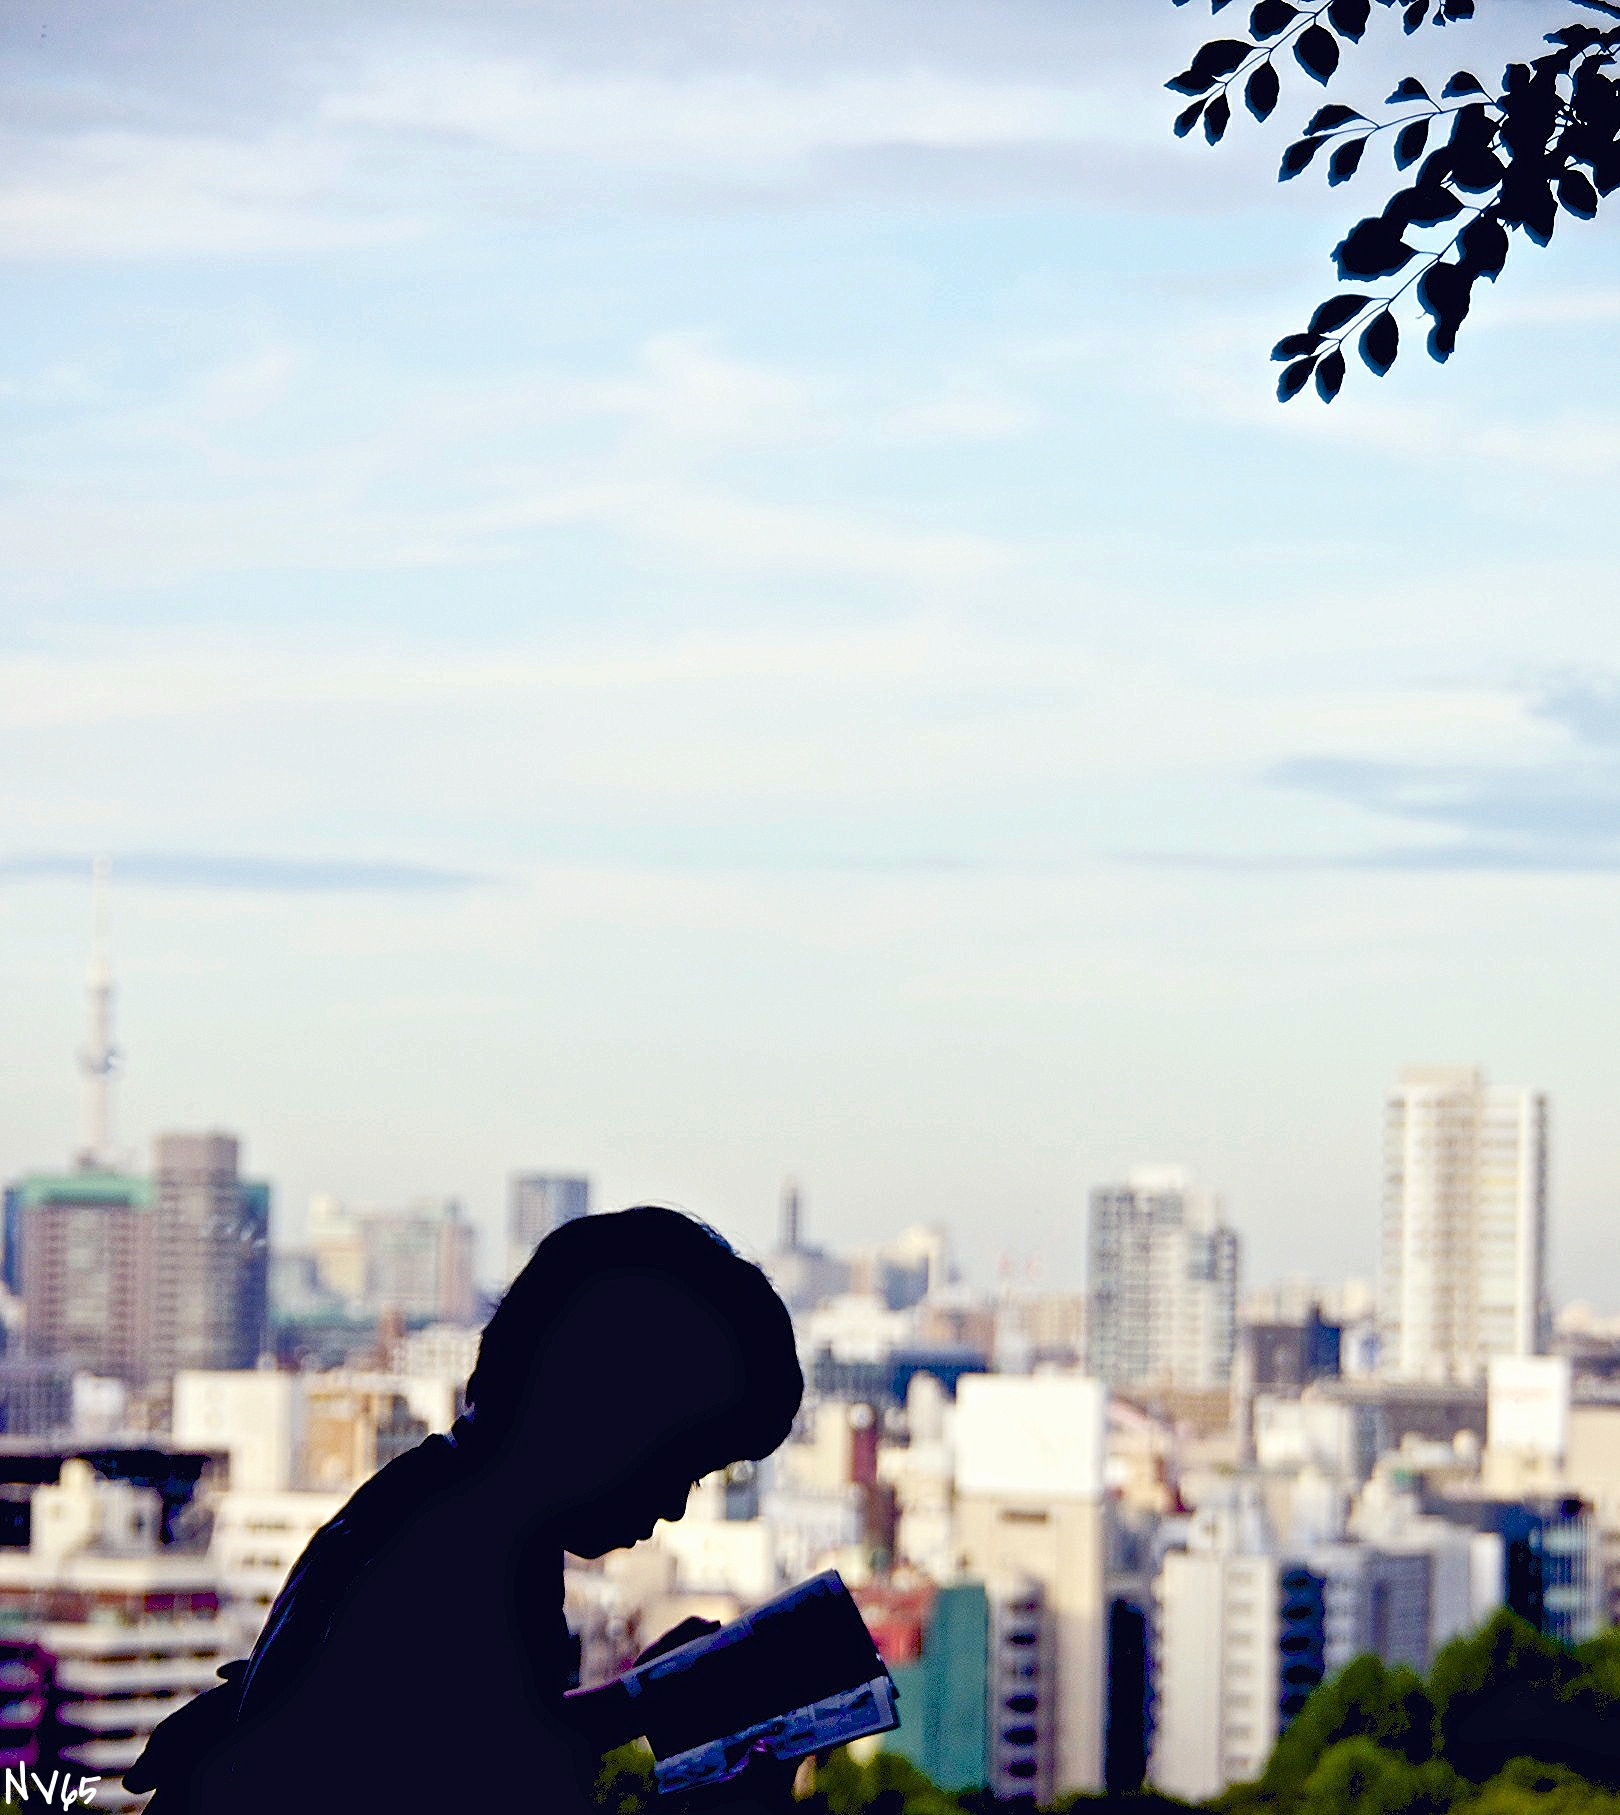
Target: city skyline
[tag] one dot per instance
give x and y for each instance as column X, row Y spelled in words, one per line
column 704, row 593
column 500, row 1242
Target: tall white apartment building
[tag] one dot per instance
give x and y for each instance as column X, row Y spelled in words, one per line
column 1031, row 1524
column 1163, row 1284
column 1218, row 1707
column 1464, row 1236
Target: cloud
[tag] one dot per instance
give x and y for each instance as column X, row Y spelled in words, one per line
column 244, row 873
column 364, row 126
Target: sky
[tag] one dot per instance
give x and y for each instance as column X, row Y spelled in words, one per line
column 708, row 591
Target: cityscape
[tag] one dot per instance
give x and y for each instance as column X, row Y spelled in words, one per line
column 1104, row 1539
column 931, row 691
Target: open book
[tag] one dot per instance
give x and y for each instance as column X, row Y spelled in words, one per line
column 796, row 1676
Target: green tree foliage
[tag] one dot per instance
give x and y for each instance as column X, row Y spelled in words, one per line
column 1359, row 1777
column 1388, row 1708
column 1486, row 166
column 1508, row 1723
column 1527, row 1787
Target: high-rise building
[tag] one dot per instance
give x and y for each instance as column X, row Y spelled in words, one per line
column 1240, row 1647
column 80, row 1249
column 1031, row 1524
column 416, row 1262
column 1162, row 1302
column 1464, row 1235
column 537, row 1203
column 210, row 1258
column 136, row 1278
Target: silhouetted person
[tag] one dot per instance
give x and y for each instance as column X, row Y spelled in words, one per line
column 418, row 1655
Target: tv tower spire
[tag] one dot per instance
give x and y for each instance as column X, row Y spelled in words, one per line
column 99, row 1058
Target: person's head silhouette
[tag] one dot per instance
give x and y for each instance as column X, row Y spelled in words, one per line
column 635, row 1353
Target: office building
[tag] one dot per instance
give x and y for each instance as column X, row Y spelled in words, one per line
column 1163, row 1283
column 416, row 1262
column 81, row 1253
column 1031, row 1525
column 209, row 1265
column 537, row 1203
column 1464, row 1238
column 135, row 1278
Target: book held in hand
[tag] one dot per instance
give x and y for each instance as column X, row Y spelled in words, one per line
column 798, row 1675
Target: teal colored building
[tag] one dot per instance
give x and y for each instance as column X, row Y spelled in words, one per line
column 944, row 1720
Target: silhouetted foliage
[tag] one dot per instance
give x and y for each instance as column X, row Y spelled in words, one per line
column 1485, row 165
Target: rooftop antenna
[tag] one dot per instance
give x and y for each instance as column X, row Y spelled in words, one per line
column 99, row 1059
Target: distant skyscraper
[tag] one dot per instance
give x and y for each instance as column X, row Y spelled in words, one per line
column 210, row 1257
column 1162, row 1299
column 137, row 1278
column 417, row 1262
column 80, row 1251
column 537, row 1203
column 1464, row 1236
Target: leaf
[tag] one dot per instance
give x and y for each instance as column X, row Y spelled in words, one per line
column 1482, row 246
column 1342, row 165
column 1476, row 168
column 1462, row 84
column 1443, row 291
column 1597, row 102
column 1188, row 119
column 1297, row 156
column 1270, row 16
column 1316, row 50
column 1372, row 248
column 1216, row 117
column 1423, row 205
column 1409, row 143
column 1260, row 93
column 1408, row 89
column 1188, row 83
column 1292, row 345
column 1329, row 376
column 1335, row 312
column 1415, row 14
column 1219, row 58
column 1325, row 119
column 1577, row 195
column 1294, row 377
column 1349, row 17
column 1380, row 342
column 1527, row 201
